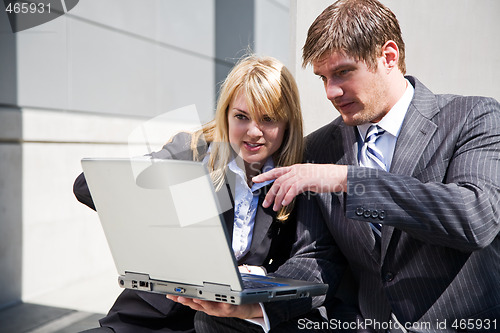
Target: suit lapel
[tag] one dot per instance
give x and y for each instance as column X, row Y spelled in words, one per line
column 260, row 243
column 350, row 145
column 416, row 133
column 417, row 130
column 228, row 214
column 350, row 148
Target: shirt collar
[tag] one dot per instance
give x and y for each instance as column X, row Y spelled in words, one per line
column 393, row 120
column 268, row 165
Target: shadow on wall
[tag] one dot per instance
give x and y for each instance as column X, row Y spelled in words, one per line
column 11, row 226
column 234, row 35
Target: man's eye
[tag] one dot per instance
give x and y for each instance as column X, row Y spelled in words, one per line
column 343, row 72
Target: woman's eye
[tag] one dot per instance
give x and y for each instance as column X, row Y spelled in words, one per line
column 240, row 117
column 267, row 119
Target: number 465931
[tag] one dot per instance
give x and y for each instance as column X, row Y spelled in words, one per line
column 27, row 7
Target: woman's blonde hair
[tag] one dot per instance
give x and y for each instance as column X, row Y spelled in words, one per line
column 270, row 90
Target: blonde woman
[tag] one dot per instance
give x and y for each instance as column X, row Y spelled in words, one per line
column 257, row 126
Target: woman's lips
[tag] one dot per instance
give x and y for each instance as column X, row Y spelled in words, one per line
column 252, row 146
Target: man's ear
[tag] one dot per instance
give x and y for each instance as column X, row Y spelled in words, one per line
column 390, row 55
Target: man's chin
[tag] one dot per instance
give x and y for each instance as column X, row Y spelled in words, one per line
column 359, row 118
column 352, row 121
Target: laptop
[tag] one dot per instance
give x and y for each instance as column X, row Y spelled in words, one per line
column 163, row 223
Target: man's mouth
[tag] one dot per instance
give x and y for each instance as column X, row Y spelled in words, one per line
column 343, row 105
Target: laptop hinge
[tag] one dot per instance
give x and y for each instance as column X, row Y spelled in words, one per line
column 137, row 281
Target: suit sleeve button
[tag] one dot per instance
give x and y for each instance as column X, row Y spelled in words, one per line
column 374, row 213
column 367, row 213
column 381, row 214
column 389, row 276
column 359, row 211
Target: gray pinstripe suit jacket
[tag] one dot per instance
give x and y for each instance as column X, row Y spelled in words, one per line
column 439, row 256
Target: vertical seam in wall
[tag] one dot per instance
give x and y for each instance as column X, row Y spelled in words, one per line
column 64, row 6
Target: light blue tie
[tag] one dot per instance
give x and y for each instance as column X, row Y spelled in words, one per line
column 372, row 157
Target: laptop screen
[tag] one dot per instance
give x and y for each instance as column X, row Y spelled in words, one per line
column 162, row 218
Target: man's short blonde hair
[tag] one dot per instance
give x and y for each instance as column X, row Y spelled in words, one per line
column 355, row 28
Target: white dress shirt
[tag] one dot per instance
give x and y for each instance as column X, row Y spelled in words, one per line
column 246, row 200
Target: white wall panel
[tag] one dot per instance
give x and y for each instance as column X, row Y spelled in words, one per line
column 62, row 239
column 182, row 80
column 452, row 45
column 272, row 29
column 129, row 16
column 187, row 24
column 42, row 63
column 110, row 72
column 317, row 110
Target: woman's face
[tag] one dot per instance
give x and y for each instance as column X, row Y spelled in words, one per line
column 254, row 140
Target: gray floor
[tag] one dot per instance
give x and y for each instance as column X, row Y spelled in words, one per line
column 35, row 318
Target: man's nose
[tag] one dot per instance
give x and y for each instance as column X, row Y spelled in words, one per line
column 333, row 91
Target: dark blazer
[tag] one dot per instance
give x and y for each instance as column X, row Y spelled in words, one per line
column 439, row 256
column 136, row 311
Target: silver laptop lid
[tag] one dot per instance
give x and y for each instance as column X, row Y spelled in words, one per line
column 149, row 208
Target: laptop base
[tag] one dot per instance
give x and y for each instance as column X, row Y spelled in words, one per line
column 215, row 292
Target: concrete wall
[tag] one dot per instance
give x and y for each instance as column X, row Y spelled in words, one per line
column 77, row 87
column 452, row 47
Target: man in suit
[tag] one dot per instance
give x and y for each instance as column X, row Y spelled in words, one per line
column 404, row 187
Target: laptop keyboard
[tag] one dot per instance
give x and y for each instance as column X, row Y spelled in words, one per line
column 255, row 282
column 252, row 284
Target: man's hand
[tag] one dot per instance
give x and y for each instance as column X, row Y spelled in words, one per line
column 218, row 309
column 298, row 178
